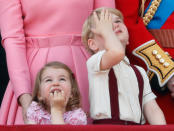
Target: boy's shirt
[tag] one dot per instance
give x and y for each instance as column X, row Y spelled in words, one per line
column 127, row 88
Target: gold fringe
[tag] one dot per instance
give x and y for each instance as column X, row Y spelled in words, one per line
column 142, row 8
column 150, row 12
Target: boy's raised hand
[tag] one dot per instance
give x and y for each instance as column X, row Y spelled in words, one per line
column 103, row 26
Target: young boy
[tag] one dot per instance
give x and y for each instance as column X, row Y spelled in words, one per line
column 119, row 92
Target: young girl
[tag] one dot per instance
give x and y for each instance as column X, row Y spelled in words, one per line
column 56, row 97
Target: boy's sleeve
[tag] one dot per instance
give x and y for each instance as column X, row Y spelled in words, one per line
column 147, row 92
column 93, row 62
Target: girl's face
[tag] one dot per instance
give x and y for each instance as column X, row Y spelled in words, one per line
column 55, row 79
column 120, row 29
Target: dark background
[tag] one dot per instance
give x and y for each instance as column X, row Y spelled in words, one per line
column 4, row 78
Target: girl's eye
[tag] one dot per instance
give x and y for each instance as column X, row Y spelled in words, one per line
column 62, row 79
column 48, row 80
column 117, row 21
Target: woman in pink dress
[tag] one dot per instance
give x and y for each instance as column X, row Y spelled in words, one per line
column 35, row 32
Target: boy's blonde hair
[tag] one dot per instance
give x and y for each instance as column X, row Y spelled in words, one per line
column 89, row 23
column 74, row 101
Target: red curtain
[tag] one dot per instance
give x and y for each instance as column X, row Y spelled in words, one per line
column 86, row 128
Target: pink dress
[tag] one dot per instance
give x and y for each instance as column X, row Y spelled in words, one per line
column 35, row 32
column 37, row 114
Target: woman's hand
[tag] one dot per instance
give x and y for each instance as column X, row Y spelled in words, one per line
column 25, row 101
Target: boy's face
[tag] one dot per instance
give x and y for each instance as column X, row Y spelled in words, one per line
column 120, row 29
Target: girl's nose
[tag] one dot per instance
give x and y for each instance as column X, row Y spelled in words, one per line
column 55, row 83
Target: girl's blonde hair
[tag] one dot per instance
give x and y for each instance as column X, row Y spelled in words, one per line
column 89, row 23
column 74, row 101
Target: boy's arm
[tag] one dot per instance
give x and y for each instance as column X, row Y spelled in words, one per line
column 151, row 110
column 153, row 113
column 114, row 49
column 115, row 52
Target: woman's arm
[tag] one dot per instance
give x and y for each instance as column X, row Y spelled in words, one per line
column 25, row 100
column 13, row 40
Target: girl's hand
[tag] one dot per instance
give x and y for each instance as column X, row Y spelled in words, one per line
column 58, row 101
column 58, row 104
